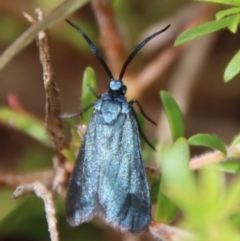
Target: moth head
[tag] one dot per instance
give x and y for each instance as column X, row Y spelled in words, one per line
column 116, row 87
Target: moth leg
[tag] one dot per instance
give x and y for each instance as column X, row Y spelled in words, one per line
column 66, row 116
column 141, row 132
column 93, row 91
column 141, row 110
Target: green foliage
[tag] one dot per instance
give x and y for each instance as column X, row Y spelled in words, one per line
column 230, row 2
column 87, row 96
column 176, row 175
column 166, row 210
column 236, row 140
column 230, row 166
column 229, row 18
column 233, row 67
column 208, row 140
column 203, row 30
column 209, row 202
column 174, row 115
column 25, row 123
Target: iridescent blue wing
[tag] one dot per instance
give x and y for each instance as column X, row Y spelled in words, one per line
column 83, row 182
column 123, row 190
column 109, row 178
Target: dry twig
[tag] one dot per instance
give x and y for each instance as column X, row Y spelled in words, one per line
column 41, row 191
column 53, row 109
column 54, row 128
column 14, row 180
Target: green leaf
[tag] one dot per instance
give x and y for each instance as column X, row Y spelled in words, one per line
column 154, row 189
column 69, row 155
column 210, row 186
column 87, row 96
column 174, row 115
column 227, row 12
column 202, row 30
column 233, row 26
column 208, row 140
column 236, row 140
column 233, row 67
column 166, row 210
column 229, row 166
column 178, row 182
column 231, row 204
column 25, row 123
column 228, row 2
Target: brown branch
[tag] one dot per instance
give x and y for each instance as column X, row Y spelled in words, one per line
column 54, row 127
column 53, row 109
column 53, row 179
column 41, row 191
column 62, row 173
column 111, row 39
column 14, row 180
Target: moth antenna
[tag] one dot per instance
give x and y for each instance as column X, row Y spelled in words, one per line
column 137, row 48
column 93, row 48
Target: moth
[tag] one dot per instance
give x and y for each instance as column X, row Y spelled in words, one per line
column 109, row 178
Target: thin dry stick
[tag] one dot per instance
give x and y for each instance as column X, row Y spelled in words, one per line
column 41, row 191
column 29, row 35
column 14, row 180
column 111, row 39
column 53, row 109
column 54, row 127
